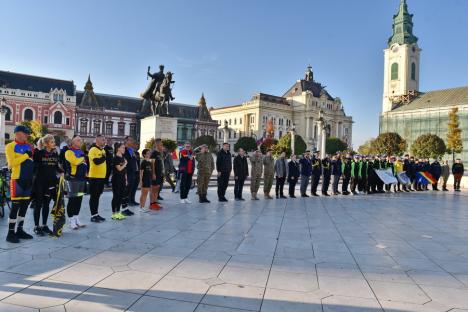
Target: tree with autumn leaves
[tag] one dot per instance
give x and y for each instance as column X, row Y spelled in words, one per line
column 454, row 137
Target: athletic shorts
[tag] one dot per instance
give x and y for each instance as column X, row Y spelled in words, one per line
column 158, row 181
column 146, row 182
column 20, row 191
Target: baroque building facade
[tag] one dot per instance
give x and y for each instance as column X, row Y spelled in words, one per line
column 405, row 109
column 300, row 107
column 67, row 112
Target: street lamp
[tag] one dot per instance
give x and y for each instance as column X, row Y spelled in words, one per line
column 225, row 132
column 292, row 131
column 323, row 130
column 3, row 111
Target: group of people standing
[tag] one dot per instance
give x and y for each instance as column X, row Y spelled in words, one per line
column 36, row 170
column 357, row 173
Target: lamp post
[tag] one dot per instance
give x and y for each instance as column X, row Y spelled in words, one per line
column 293, row 138
column 3, row 110
column 225, row 132
column 323, row 130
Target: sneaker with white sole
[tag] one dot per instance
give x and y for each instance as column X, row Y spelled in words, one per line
column 144, row 209
column 72, row 223
column 187, row 201
column 78, row 222
column 182, row 201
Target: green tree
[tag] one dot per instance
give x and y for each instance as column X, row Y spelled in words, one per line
column 205, row 139
column 37, row 129
column 389, row 143
column 267, row 144
column 334, row 145
column 284, row 145
column 428, row 146
column 150, row 143
column 171, row 145
column 366, row 148
column 454, row 137
column 248, row 144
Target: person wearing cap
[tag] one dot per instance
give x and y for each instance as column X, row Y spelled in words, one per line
column 306, row 171
column 336, row 172
column 19, row 158
column 256, row 171
column 268, row 173
column 354, row 174
column 205, row 167
column 326, row 169
column 346, row 172
column 457, row 171
column 316, row 163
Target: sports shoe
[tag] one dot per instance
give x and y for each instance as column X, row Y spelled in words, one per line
column 155, row 206
column 78, row 222
column 12, row 238
column 127, row 212
column 115, row 216
column 121, row 215
column 73, row 225
column 45, row 229
column 187, row 201
column 38, row 231
column 94, row 219
column 182, row 201
column 101, row 218
column 144, row 209
column 20, row 233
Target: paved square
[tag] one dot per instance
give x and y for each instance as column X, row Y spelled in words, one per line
column 395, row 252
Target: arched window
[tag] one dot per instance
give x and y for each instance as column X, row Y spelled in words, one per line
column 28, row 114
column 395, row 71
column 8, row 113
column 58, row 118
column 413, row 71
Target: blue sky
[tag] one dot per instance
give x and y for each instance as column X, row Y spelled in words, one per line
column 232, row 49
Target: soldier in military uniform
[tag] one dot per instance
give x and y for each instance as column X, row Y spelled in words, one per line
column 269, row 173
column 256, row 164
column 316, row 172
column 205, row 166
column 326, row 168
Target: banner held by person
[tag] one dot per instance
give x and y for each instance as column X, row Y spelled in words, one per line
column 59, row 210
column 425, row 178
column 403, row 178
column 386, row 175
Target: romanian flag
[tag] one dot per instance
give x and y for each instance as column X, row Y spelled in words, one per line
column 425, row 178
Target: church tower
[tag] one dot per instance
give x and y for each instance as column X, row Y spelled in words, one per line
column 402, row 56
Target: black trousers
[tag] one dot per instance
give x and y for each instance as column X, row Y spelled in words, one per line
column 223, row 182
column 108, row 171
column 362, row 184
column 185, row 184
column 344, row 187
column 17, row 214
column 315, row 183
column 354, row 184
column 131, row 181
column 74, row 206
column 279, row 186
column 238, row 187
column 43, row 196
column 96, row 187
column 136, row 183
column 325, row 183
column 292, row 186
column 119, row 194
column 336, row 181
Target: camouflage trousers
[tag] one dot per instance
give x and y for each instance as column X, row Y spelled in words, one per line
column 203, row 180
column 267, row 183
column 255, row 183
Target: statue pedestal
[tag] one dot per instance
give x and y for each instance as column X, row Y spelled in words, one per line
column 157, row 127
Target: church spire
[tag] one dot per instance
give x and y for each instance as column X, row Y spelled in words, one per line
column 202, row 101
column 402, row 26
column 89, row 85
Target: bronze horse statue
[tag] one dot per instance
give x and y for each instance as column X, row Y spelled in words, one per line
column 158, row 92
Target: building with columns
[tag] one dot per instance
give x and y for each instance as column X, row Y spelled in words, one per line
column 49, row 100
column 405, row 109
column 300, row 106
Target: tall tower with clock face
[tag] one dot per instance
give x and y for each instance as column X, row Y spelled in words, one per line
column 401, row 73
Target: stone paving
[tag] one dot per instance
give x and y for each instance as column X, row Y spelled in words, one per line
column 404, row 252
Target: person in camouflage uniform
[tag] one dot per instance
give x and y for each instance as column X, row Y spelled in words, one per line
column 268, row 174
column 256, row 164
column 205, row 166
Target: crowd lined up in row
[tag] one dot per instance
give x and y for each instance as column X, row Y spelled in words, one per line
column 35, row 173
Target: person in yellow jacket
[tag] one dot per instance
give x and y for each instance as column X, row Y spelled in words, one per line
column 397, row 168
column 97, row 176
column 19, row 158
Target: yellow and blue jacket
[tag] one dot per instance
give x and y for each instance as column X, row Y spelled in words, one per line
column 75, row 163
column 97, row 162
column 19, row 161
